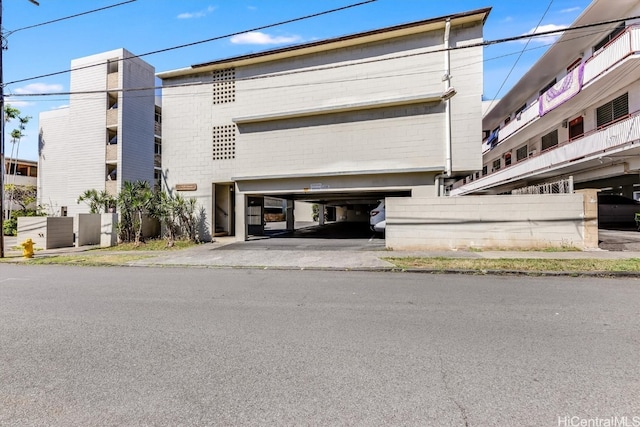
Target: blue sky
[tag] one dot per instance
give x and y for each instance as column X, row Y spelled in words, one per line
column 144, row 26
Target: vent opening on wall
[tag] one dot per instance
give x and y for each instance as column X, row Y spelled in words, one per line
column 224, row 142
column 224, row 86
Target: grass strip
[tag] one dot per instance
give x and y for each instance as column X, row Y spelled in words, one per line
column 93, row 260
column 517, row 264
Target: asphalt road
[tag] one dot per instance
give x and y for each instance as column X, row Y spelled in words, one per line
column 194, row 347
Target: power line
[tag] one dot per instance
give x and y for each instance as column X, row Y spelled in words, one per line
column 263, row 27
column 519, row 56
column 479, row 44
column 202, row 83
column 8, row 33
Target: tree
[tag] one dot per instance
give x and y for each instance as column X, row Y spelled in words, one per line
column 23, row 195
column 134, row 200
column 99, row 202
column 16, row 136
column 177, row 215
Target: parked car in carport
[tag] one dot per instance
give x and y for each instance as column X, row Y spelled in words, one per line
column 377, row 219
column 615, row 210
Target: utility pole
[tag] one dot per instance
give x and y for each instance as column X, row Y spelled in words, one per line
column 2, row 123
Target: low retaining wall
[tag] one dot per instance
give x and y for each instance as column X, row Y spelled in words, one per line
column 46, row 232
column 508, row 222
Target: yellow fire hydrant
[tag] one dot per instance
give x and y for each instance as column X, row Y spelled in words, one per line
column 27, row 248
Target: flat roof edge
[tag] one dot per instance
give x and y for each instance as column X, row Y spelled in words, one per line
column 327, row 44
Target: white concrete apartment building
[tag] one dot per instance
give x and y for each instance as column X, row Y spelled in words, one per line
column 574, row 115
column 341, row 122
column 110, row 132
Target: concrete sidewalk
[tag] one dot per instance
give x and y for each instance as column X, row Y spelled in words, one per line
column 211, row 255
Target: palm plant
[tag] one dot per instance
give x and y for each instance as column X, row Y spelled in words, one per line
column 98, row 202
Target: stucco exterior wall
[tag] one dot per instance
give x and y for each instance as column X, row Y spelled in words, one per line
column 518, row 222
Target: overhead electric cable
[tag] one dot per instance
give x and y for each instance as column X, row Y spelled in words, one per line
column 519, row 56
column 201, row 83
column 8, row 33
column 237, row 33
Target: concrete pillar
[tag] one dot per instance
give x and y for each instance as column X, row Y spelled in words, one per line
column 590, row 223
column 241, row 216
column 108, row 230
column 291, row 220
column 321, row 214
column 627, row 191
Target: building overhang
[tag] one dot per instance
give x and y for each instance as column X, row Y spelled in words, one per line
column 340, row 108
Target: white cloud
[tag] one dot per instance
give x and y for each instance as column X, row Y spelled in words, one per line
column 257, row 37
column 571, row 10
column 35, row 88
column 199, row 14
column 252, row 8
column 548, row 39
column 17, row 104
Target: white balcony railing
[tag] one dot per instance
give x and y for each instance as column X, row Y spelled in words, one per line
column 616, row 51
column 593, row 143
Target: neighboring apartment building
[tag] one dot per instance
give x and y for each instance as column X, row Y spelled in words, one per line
column 110, row 132
column 342, row 122
column 20, row 173
column 574, row 115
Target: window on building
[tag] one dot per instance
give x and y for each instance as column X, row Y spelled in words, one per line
column 547, row 87
column 576, row 128
column 550, row 140
column 507, row 159
column 522, row 153
column 613, row 110
column 612, row 35
column 497, row 163
column 484, row 170
column 477, row 175
column 158, row 118
column 507, row 120
column 157, row 148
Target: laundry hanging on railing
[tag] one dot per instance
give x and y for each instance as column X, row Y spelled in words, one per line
column 562, row 91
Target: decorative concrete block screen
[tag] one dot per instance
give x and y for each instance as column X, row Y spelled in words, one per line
column 46, row 232
column 509, row 222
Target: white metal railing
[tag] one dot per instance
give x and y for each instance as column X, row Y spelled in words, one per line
column 561, row 186
column 611, row 54
column 616, row 51
column 525, row 117
column 592, row 143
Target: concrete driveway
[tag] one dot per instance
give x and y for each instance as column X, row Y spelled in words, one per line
column 619, row 240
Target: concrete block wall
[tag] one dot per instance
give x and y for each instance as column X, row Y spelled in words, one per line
column 510, row 222
column 46, row 232
column 137, row 120
column 377, row 142
column 87, row 229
